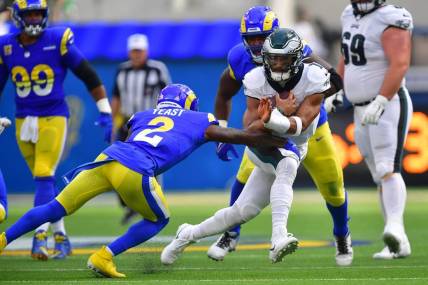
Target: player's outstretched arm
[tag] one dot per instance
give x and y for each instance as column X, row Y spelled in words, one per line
column 235, row 136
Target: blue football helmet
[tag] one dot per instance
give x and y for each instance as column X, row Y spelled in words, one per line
column 258, row 21
column 21, row 7
column 178, row 96
column 363, row 8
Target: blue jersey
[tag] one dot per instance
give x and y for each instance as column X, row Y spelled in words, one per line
column 38, row 71
column 240, row 63
column 160, row 138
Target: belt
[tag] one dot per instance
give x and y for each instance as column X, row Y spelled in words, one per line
column 365, row 103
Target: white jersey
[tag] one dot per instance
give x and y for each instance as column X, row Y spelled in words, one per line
column 365, row 61
column 314, row 79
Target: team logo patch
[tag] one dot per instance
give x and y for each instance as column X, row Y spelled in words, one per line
column 7, row 49
column 403, row 24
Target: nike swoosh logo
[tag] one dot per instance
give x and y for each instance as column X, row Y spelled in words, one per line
column 318, row 139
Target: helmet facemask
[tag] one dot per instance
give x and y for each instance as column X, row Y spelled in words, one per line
column 365, row 6
column 282, row 67
column 282, row 55
column 256, row 24
column 31, row 28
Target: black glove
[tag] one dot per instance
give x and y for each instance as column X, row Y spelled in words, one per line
column 335, row 79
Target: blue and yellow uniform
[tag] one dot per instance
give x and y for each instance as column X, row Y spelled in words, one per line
column 321, row 161
column 37, row 72
column 159, row 139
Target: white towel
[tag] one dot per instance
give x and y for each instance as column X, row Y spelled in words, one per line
column 30, row 129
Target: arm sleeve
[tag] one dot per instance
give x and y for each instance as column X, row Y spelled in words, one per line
column 87, row 74
column 4, row 75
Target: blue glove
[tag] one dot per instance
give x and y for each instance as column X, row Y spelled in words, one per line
column 223, row 149
column 291, row 146
column 105, row 121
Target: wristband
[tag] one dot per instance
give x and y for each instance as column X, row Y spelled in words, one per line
column 222, row 123
column 277, row 122
column 298, row 125
column 104, row 106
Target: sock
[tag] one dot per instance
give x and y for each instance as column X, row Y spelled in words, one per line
column 58, row 226
column 340, row 218
column 394, row 198
column 52, row 211
column 234, row 194
column 45, row 192
column 3, row 194
column 136, row 234
column 382, row 206
column 281, row 196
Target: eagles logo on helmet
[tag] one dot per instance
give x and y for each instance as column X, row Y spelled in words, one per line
column 282, row 54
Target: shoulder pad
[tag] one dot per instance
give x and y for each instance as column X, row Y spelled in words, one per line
column 67, row 39
column 348, row 11
column 395, row 16
column 318, row 78
column 255, row 78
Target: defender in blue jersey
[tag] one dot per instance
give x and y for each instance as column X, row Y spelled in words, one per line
column 37, row 58
column 4, row 123
column 321, row 161
column 159, row 138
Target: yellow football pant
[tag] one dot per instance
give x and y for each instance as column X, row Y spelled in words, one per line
column 321, row 162
column 43, row 156
column 139, row 192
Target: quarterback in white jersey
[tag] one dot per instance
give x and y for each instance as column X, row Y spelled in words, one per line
column 376, row 49
column 295, row 116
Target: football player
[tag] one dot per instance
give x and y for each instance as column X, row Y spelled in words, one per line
column 159, row 139
column 321, row 161
column 376, row 51
column 4, row 123
column 283, row 74
column 37, row 58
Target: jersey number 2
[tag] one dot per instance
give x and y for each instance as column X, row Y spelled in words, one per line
column 165, row 123
column 355, row 52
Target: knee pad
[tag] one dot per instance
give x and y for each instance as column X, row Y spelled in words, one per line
column 286, row 170
column 245, row 169
column 235, row 215
column 383, row 168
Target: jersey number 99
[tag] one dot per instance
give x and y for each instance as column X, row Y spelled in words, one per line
column 40, row 80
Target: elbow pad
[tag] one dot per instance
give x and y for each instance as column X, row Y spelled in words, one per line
column 87, row 74
column 335, row 79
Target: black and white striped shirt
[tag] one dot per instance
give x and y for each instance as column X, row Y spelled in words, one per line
column 138, row 89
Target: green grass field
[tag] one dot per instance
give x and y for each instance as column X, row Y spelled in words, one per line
column 309, row 221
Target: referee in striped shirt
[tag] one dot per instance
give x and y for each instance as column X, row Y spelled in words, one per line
column 137, row 84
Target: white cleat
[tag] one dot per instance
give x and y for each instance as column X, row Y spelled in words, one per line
column 386, row 253
column 396, row 240
column 344, row 251
column 226, row 243
column 173, row 250
column 282, row 247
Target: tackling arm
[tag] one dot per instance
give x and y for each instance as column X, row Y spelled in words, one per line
column 335, row 76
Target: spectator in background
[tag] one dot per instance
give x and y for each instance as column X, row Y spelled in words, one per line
column 307, row 30
column 62, row 10
column 4, row 16
column 137, row 85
